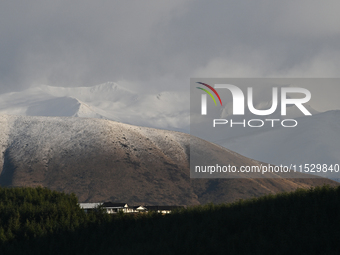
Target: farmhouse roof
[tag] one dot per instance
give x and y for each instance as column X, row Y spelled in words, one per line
column 116, row 205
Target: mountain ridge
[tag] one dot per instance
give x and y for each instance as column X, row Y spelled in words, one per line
column 167, row 110
column 102, row 160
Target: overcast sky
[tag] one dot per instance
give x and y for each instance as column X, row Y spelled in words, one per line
column 159, row 45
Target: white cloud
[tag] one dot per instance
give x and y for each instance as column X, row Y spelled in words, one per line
column 157, row 45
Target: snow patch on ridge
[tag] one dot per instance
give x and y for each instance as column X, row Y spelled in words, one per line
column 61, row 106
column 167, row 110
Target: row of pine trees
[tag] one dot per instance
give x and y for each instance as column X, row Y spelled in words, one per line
column 41, row 221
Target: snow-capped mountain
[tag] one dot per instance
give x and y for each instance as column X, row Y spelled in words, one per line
column 167, row 110
column 102, row 160
column 315, row 140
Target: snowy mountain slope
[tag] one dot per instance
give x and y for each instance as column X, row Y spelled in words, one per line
column 168, row 110
column 62, row 106
column 102, row 160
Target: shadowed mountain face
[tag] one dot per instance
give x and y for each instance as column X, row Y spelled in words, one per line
column 101, row 160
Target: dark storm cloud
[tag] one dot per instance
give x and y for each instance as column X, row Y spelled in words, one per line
column 162, row 43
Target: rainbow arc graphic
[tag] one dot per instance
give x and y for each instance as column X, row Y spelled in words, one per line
column 204, row 97
column 209, row 93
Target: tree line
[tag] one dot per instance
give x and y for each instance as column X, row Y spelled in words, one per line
column 42, row 221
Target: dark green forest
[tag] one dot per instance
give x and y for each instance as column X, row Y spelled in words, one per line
column 41, row 221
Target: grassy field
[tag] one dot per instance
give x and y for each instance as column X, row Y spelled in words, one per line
column 41, row 221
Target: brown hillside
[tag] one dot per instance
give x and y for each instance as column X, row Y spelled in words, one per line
column 101, row 160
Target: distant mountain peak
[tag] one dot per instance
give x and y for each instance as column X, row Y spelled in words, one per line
column 62, row 106
column 108, row 100
column 105, row 87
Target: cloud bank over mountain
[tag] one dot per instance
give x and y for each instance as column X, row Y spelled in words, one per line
column 159, row 46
